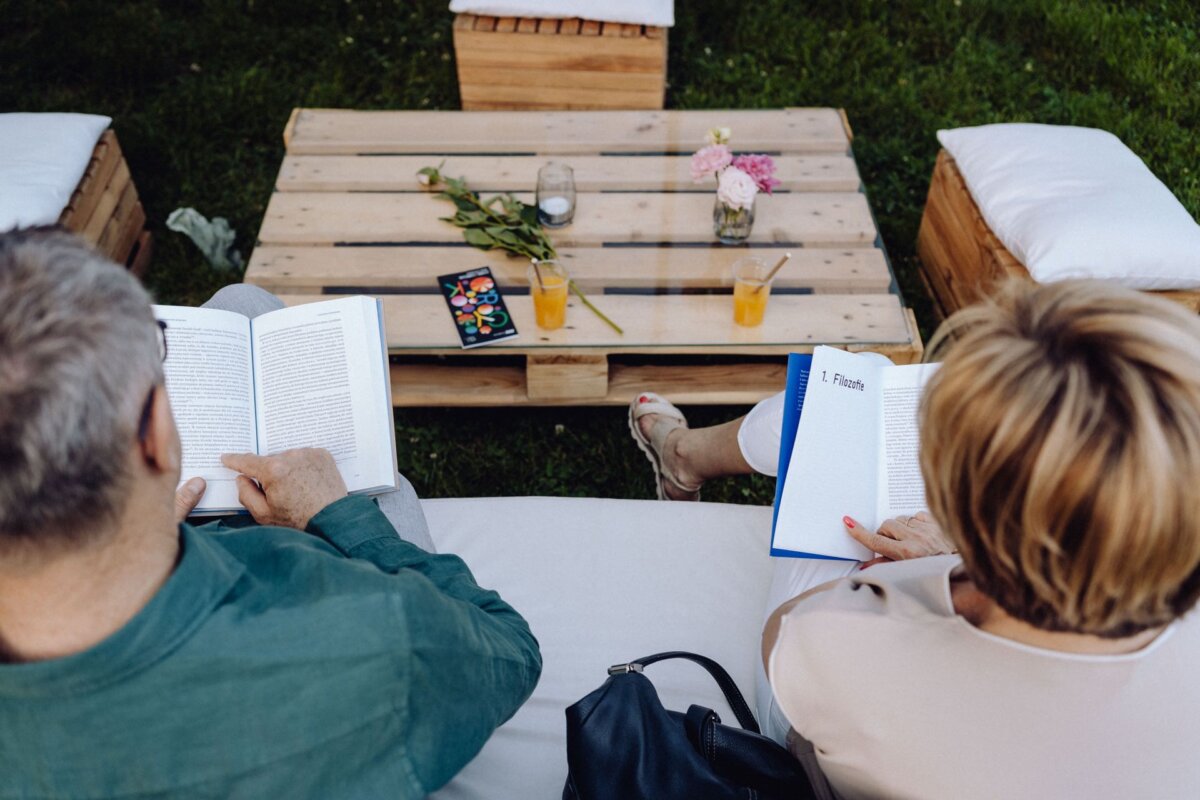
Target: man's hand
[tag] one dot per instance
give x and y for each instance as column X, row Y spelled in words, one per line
column 187, row 496
column 291, row 487
column 900, row 538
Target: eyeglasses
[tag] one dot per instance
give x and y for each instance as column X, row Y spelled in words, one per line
column 144, row 420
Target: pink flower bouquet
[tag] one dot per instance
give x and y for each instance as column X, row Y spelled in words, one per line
column 739, row 180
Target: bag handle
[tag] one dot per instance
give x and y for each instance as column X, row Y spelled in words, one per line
column 733, row 696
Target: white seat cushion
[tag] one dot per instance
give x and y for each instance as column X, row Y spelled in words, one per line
column 633, row 12
column 42, row 159
column 1077, row 203
column 602, row 582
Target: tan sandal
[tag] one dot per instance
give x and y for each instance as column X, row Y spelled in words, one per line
column 645, row 403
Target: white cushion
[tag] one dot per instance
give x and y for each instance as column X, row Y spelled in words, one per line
column 1077, row 203
column 602, row 582
column 42, row 158
column 633, row 12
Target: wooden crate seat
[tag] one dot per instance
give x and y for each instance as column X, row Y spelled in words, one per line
column 520, row 63
column 961, row 258
column 105, row 209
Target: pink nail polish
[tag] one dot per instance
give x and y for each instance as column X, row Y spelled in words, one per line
column 849, row 523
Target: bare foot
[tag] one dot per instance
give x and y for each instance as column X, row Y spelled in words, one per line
column 673, row 463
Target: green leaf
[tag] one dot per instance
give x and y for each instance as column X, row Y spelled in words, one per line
column 479, row 238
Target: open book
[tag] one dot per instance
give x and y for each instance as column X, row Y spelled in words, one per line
column 854, row 451
column 314, row 375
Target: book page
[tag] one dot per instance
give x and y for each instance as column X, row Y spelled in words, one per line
column 321, row 382
column 212, row 397
column 901, row 488
column 833, row 470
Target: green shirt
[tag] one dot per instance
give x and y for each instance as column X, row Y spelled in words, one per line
column 277, row 664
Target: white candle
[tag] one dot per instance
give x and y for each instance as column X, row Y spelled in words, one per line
column 555, row 206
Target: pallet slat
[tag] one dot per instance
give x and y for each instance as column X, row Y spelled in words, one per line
column 695, row 324
column 553, row 83
column 331, row 132
column 296, row 270
column 811, row 218
column 107, row 204
column 99, row 174
column 797, row 173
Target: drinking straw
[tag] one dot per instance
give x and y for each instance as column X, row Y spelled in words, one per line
column 771, row 274
column 538, row 273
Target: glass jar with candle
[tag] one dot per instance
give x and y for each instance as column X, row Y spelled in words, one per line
column 556, row 195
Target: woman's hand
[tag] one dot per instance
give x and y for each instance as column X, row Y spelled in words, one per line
column 900, row 538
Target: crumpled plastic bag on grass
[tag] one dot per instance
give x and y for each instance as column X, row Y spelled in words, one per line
column 215, row 238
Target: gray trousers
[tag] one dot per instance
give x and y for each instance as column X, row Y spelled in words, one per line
column 402, row 507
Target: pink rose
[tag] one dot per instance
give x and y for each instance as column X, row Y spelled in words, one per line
column 760, row 168
column 709, row 160
column 736, row 189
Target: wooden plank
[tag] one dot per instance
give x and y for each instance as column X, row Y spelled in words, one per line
column 464, row 22
column 570, row 27
column 797, row 173
column 290, row 128
column 523, row 99
column 846, row 124
column 446, row 386
column 297, row 270
column 631, row 31
column 549, row 26
column 812, row 218
column 501, row 51
column 526, row 25
column 115, row 227
column 610, row 29
column 590, row 27
column 506, row 24
column 482, row 81
column 798, row 130
column 108, row 203
column 654, row 32
column 484, row 23
column 692, row 324
column 107, row 157
column 139, row 258
column 132, row 229
column 576, row 377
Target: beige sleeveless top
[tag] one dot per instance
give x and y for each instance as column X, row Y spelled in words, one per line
column 901, row 697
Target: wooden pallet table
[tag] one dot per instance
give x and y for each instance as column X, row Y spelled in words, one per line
column 961, row 258
column 105, row 208
column 349, row 216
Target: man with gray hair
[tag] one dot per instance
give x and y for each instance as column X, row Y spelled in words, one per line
column 315, row 654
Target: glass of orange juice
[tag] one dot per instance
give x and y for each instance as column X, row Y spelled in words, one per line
column 548, row 287
column 750, row 290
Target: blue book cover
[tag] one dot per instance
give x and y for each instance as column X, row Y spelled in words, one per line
column 799, row 365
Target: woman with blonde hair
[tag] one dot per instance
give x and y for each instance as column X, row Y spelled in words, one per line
column 1047, row 645
column 1037, row 636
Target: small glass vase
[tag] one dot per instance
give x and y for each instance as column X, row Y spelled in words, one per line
column 733, row 225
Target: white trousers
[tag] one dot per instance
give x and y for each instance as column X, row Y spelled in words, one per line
column 759, row 439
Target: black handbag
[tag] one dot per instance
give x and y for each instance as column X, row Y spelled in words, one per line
column 622, row 743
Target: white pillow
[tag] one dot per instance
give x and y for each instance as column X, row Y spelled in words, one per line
column 1077, row 203
column 632, row 12
column 42, row 158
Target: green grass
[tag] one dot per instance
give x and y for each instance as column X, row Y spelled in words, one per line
column 200, row 92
